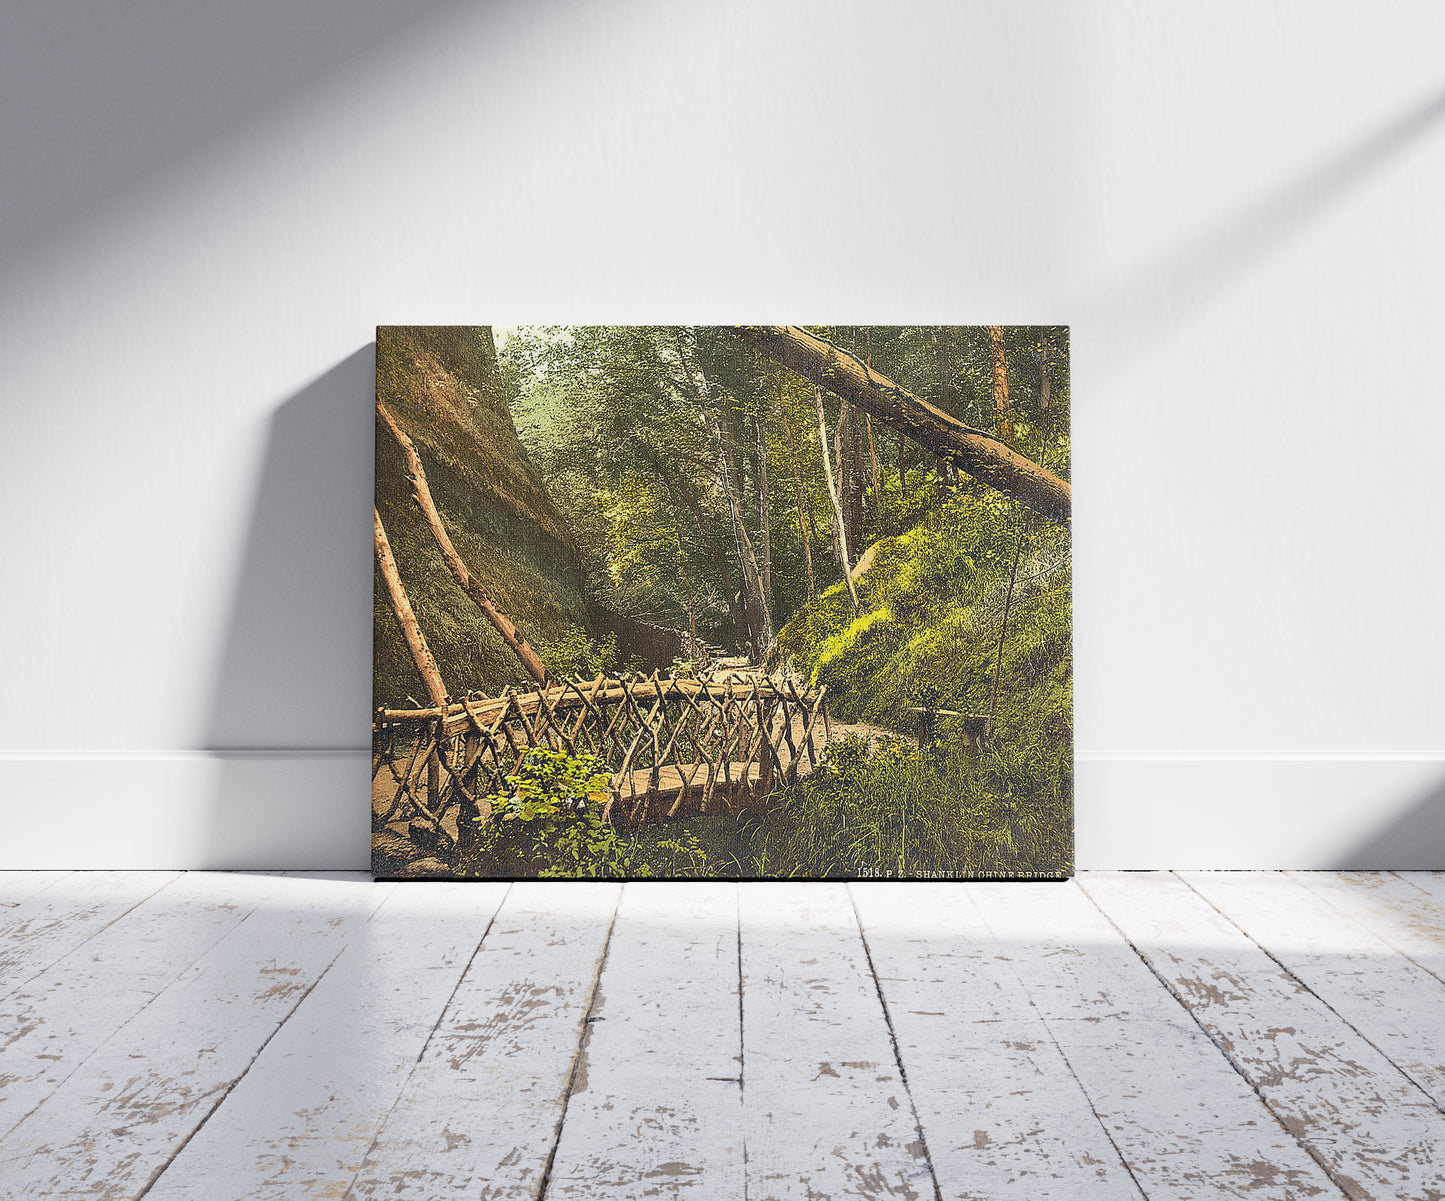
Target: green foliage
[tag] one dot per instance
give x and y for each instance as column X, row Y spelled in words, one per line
column 649, row 439
column 575, row 653
column 552, row 816
column 548, row 783
column 550, row 825
column 882, row 812
column 927, row 632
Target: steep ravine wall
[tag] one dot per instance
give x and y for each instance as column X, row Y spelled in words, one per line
column 442, row 386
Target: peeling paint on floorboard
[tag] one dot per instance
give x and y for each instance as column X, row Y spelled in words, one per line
column 1275, row 1036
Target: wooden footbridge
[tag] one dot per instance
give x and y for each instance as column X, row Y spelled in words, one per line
column 675, row 746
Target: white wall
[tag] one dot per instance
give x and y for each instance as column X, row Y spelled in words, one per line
column 207, row 206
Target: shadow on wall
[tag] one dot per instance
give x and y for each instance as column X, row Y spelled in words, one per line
column 292, row 696
column 1155, row 301
column 116, row 97
column 1414, row 841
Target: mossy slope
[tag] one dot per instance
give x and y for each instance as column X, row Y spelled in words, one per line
column 442, row 385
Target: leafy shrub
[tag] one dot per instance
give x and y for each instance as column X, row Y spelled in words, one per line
column 549, row 824
column 573, row 653
column 552, row 817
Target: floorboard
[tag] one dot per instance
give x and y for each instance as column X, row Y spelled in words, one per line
column 826, row 1110
column 1404, row 909
column 655, row 1109
column 52, row 1024
column 45, row 926
column 1126, row 1037
column 16, row 887
column 1001, row 1112
column 480, row 1114
column 1184, row 1121
column 115, row 1123
column 1389, row 1000
column 301, row 1121
column 1310, row 1066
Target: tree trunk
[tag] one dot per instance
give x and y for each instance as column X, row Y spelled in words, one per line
column 680, row 488
column 843, row 474
column 980, row 454
column 421, row 656
column 421, row 493
column 856, row 481
column 691, row 600
column 873, row 458
column 868, row 417
column 1002, row 414
column 839, row 526
column 762, row 621
column 765, row 533
column 796, row 449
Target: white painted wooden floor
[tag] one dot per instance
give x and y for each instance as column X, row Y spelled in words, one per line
column 1191, row 1035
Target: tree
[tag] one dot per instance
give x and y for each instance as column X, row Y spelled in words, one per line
column 421, row 656
column 982, row 455
column 1002, row 418
column 794, row 449
column 840, row 526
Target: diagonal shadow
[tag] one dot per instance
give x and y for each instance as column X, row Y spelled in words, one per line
column 289, row 713
column 102, row 100
column 1159, row 298
column 1413, row 842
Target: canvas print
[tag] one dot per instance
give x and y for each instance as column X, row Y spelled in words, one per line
column 741, row 602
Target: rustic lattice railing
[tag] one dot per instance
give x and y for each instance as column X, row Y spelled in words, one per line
column 673, row 746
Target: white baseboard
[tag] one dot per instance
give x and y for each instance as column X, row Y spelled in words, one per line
column 185, row 809
column 1240, row 810
column 308, row 809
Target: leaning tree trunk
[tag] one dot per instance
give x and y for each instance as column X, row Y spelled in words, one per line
column 1002, row 415
column 421, row 656
column 980, row 454
column 421, row 493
